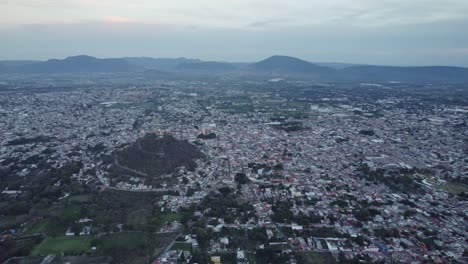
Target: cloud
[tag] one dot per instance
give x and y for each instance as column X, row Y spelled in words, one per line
column 118, row 20
column 393, row 32
column 267, row 23
column 240, row 13
column 456, row 51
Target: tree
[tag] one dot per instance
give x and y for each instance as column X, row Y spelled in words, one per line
column 225, row 190
column 341, row 257
column 185, row 180
column 76, row 228
column 182, row 258
column 207, row 136
column 202, row 237
column 365, row 169
column 190, row 192
column 241, row 178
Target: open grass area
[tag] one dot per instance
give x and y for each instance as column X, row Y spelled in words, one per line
column 451, row 187
column 49, row 226
column 69, row 213
column 182, row 246
column 133, row 247
column 80, row 198
column 455, row 187
column 124, row 241
column 67, row 245
column 169, row 217
column 251, row 258
column 236, row 109
column 39, row 227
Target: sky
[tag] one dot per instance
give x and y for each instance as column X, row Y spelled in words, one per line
column 382, row 32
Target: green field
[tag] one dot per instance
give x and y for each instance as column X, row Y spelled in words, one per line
column 67, row 245
column 124, row 241
column 80, row 198
column 133, row 247
column 455, row 187
column 39, row 227
column 169, row 217
column 182, row 246
column 50, row 226
column 69, row 213
column 251, row 258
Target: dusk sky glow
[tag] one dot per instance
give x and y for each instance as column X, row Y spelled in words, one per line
column 392, row 32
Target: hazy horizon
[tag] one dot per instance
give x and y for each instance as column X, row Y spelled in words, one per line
column 392, row 32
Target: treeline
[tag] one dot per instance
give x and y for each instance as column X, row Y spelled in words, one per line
column 24, row 141
column 400, row 180
column 40, row 191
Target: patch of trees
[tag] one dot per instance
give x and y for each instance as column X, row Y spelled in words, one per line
column 401, row 180
column 306, row 220
column 241, row 178
column 387, row 233
column 290, row 126
column 463, row 195
column 157, row 156
column 225, row 190
column 340, row 202
column 367, row 132
column 41, row 190
column 282, row 212
column 137, row 123
column 429, row 242
column 257, row 166
column 269, row 255
column 365, row 214
column 24, row 141
column 407, row 202
column 361, row 241
column 98, row 148
column 16, row 248
column 340, row 139
column 258, row 235
column 278, row 167
column 135, row 210
column 190, row 192
column 207, row 136
column 226, row 206
column 323, row 232
column 358, row 259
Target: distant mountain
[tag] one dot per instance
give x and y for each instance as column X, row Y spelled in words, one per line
column 336, row 65
column 14, row 63
column 348, row 72
column 206, row 66
column 76, row 64
column 406, row 74
column 275, row 65
column 162, row 64
column 286, row 64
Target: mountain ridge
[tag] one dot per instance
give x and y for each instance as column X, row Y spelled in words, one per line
column 281, row 63
column 75, row 64
column 207, row 66
column 277, row 65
